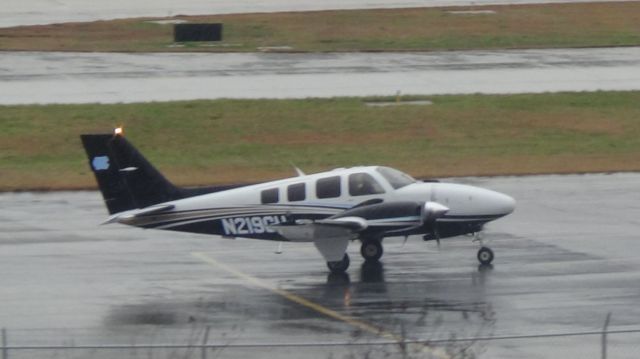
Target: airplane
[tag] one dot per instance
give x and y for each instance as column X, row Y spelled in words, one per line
column 329, row 208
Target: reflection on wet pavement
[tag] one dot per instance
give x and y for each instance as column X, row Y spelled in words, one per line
column 565, row 259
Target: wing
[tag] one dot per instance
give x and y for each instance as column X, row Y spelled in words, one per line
column 331, row 235
column 374, row 218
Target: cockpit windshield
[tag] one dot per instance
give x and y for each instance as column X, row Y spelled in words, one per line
column 395, row 178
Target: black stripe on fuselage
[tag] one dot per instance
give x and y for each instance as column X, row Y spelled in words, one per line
column 209, row 221
column 212, row 214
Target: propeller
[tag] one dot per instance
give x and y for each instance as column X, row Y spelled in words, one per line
column 431, row 211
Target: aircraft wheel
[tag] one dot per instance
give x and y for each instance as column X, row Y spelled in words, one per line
column 339, row 266
column 371, row 250
column 485, row 255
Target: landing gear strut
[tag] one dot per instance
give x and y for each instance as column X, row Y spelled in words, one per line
column 485, row 255
column 371, row 250
column 339, row 266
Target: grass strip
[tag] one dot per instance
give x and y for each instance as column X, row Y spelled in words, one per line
column 226, row 141
column 418, row 29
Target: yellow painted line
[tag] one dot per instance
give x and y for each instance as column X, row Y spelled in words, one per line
column 438, row 353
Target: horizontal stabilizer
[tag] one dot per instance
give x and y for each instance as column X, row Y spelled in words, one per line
column 139, row 213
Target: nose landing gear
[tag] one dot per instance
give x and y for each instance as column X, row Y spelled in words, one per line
column 485, row 256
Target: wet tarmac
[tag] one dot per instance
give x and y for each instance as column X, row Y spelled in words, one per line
column 31, row 12
column 40, row 77
column 568, row 256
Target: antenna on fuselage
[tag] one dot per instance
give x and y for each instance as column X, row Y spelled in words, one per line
column 298, row 171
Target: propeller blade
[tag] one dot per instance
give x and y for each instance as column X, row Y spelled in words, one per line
column 431, row 211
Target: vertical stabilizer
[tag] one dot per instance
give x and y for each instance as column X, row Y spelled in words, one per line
column 126, row 179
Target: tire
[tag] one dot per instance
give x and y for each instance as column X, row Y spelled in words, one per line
column 339, row 266
column 371, row 250
column 485, row 255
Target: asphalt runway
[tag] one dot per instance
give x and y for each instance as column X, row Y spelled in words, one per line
column 33, row 12
column 41, row 77
column 565, row 258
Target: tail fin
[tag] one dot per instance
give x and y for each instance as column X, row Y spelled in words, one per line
column 126, row 179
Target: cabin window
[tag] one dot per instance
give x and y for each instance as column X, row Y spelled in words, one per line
column 328, row 187
column 296, row 192
column 269, row 196
column 362, row 184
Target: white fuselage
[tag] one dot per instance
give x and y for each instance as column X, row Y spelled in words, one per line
column 250, row 211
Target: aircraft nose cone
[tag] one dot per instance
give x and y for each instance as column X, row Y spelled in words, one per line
column 470, row 201
column 503, row 204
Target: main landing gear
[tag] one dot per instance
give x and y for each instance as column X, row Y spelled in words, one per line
column 371, row 250
column 339, row 266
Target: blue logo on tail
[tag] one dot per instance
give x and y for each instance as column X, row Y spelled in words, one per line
column 100, row 163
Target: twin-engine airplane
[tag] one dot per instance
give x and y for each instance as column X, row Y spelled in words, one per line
column 329, row 208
